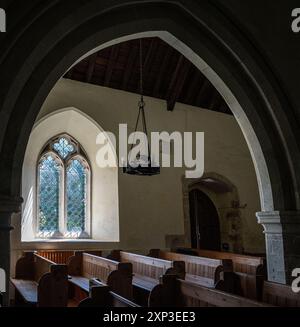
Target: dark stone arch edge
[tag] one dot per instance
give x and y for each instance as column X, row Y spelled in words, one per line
column 35, row 62
column 288, row 199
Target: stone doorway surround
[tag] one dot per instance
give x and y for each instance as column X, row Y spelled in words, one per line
column 226, row 200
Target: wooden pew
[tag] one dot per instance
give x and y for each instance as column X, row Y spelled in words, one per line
column 190, row 294
column 249, row 272
column 213, row 273
column 150, row 275
column 40, row 282
column 62, row 256
column 280, row 295
column 84, row 266
column 100, row 295
column 162, row 295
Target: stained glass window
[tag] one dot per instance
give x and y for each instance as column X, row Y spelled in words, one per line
column 76, row 196
column 63, row 147
column 48, row 193
column 63, row 189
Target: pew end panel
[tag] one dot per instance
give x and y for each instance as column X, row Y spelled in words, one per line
column 25, row 266
column 154, row 253
column 177, row 269
column 164, row 294
column 74, row 264
column 44, row 284
column 115, row 255
column 120, row 280
column 53, row 287
column 100, row 295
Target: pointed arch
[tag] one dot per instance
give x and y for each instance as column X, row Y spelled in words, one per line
column 63, row 189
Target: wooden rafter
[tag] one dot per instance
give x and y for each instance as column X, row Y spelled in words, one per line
column 177, row 82
column 111, row 63
column 91, row 67
column 167, row 74
column 151, row 53
column 131, row 62
column 162, row 72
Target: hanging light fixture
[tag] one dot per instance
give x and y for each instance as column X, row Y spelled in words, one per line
column 142, row 165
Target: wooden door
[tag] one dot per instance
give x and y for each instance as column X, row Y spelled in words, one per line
column 205, row 225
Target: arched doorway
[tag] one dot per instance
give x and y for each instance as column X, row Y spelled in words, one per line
column 204, row 220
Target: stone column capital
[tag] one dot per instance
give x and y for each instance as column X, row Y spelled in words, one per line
column 287, row 222
column 282, row 232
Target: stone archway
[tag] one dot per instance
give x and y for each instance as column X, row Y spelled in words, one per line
column 64, row 32
column 225, row 197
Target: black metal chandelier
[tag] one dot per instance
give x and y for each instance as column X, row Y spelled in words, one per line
column 142, row 165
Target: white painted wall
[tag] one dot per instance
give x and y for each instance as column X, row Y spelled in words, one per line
column 152, row 207
column 104, row 191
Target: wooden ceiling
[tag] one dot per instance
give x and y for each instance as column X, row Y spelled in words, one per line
column 167, row 74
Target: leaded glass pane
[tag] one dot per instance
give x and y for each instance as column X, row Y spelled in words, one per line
column 48, row 192
column 63, row 147
column 76, row 196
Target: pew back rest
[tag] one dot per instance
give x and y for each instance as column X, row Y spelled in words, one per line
column 195, row 295
column 117, row 275
column 197, row 266
column 241, row 263
column 250, row 271
column 147, row 266
column 101, row 268
column 62, row 256
column 280, row 295
column 57, row 256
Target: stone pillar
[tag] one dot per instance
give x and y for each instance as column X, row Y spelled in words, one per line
column 282, row 233
column 8, row 206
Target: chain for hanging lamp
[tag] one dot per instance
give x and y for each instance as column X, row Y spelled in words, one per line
column 144, row 166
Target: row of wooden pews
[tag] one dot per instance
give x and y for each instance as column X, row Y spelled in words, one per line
column 248, row 272
column 195, row 295
column 84, row 266
column 150, row 276
column 250, row 278
column 126, row 279
column 212, row 273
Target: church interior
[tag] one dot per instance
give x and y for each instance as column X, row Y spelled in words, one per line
column 75, row 233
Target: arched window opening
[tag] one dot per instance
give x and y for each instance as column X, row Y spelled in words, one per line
column 49, row 177
column 63, row 190
column 77, row 197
